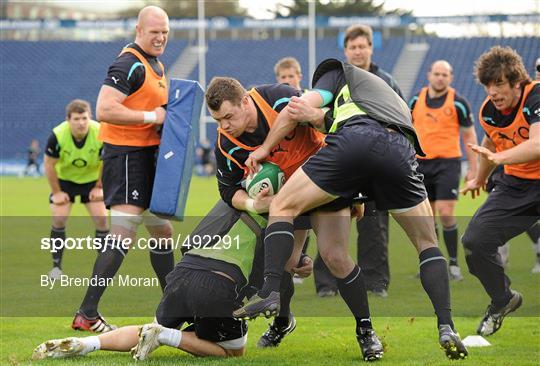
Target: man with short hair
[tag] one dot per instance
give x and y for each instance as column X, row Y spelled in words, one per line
column 73, row 168
column 370, row 148
column 245, row 119
column 441, row 116
column 510, row 116
column 288, row 71
column 130, row 106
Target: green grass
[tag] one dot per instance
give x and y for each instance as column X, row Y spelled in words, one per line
column 325, row 335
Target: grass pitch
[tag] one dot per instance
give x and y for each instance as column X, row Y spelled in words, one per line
column 325, row 333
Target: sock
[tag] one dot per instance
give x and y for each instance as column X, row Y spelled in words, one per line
column 434, row 278
column 353, row 291
column 58, row 233
column 278, row 247
column 101, row 235
column 170, row 337
column 286, row 291
column 107, row 264
column 450, row 239
column 487, row 268
column 90, row 344
column 162, row 260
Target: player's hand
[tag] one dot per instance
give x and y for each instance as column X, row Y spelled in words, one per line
column 299, row 110
column 357, row 211
column 305, row 267
column 161, row 113
column 60, row 198
column 255, row 158
column 486, row 153
column 473, row 186
column 262, row 201
column 96, row 194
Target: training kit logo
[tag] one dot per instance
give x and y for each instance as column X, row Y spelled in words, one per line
column 135, row 194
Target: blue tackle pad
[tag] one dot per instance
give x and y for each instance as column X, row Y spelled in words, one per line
column 177, row 149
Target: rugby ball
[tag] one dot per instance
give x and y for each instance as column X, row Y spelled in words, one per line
column 269, row 176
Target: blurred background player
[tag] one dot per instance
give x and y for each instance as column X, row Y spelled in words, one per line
column 288, row 71
column 372, row 241
column 73, row 168
column 440, row 116
column 205, row 161
column 510, row 117
column 130, row 108
column 33, row 155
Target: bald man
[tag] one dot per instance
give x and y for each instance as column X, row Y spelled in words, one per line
column 440, row 116
column 131, row 107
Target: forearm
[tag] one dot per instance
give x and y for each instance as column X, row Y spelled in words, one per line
column 99, row 183
column 282, row 127
column 118, row 114
column 469, row 137
column 51, row 175
column 525, row 152
column 485, row 166
column 110, row 109
column 240, row 200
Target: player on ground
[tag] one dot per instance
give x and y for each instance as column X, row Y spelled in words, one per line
column 510, row 116
column 130, row 107
column 202, row 291
column 245, row 118
column 370, row 146
column 73, row 168
column 440, row 116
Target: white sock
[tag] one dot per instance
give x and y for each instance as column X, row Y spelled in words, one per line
column 170, row 337
column 90, row 344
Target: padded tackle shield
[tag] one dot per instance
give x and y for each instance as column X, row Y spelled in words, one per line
column 177, row 149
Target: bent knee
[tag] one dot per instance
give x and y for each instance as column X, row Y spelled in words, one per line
column 236, row 352
column 335, row 260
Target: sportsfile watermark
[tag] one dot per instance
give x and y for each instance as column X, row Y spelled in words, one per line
column 26, row 259
column 178, row 242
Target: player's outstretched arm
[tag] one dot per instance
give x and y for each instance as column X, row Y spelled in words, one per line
column 485, row 167
column 58, row 196
column 109, row 108
column 525, row 152
column 285, row 123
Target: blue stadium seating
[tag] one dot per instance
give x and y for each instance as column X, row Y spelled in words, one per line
column 39, row 78
column 462, row 53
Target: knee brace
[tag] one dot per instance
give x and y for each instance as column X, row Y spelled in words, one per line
column 126, row 220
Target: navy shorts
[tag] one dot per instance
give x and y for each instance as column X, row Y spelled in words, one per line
column 441, row 178
column 365, row 157
column 511, row 208
column 75, row 189
column 204, row 299
column 128, row 178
